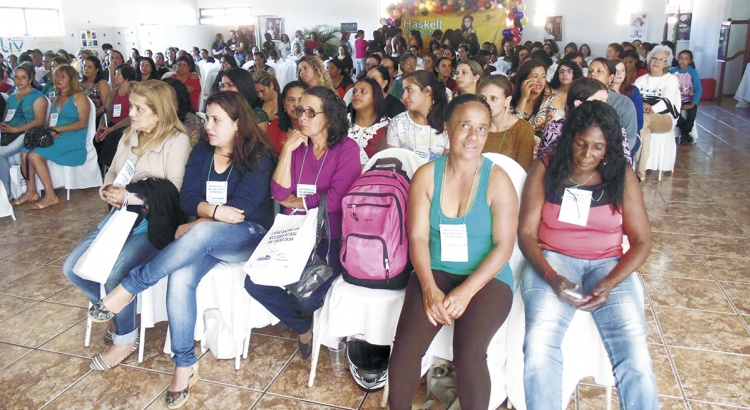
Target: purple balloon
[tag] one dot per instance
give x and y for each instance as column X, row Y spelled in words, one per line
column 519, row 15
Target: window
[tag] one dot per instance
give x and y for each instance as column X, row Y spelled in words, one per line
column 226, row 16
column 26, row 21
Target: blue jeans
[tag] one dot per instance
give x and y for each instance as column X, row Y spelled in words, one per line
column 620, row 321
column 136, row 251
column 187, row 260
column 297, row 314
column 6, row 153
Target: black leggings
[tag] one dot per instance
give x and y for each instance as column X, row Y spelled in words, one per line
column 473, row 332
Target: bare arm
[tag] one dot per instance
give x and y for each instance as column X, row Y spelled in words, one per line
column 40, row 116
column 82, row 104
column 104, row 90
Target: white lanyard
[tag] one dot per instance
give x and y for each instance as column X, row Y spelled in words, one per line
column 216, row 191
column 308, row 189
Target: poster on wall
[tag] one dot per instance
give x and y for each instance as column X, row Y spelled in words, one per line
column 553, row 28
column 638, row 26
column 272, row 26
column 88, row 38
column 488, row 25
column 682, row 28
column 349, row 27
column 723, row 41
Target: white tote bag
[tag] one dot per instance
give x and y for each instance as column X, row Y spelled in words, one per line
column 97, row 262
column 282, row 254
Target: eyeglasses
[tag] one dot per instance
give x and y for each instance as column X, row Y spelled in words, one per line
column 309, row 112
column 659, row 59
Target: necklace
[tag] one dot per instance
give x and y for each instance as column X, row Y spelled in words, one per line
column 471, row 191
column 584, row 182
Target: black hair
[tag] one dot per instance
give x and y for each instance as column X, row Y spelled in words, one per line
column 378, row 100
column 126, row 71
column 514, row 60
column 393, row 60
column 581, row 90
column 577, row 73
column 690, row 53
column 335, row 112
column 464, row 99
column 436, row 115
column 184, row 106
column 243, row 80
column 523, row 74
column 612, row 165
column 100, row 74
column 230, row 60
column 285, row 123
column 189, row 61
column 386, row 76
column 376, row 56
column 542, row 56
column 154, row 72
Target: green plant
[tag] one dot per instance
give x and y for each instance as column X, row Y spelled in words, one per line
column 329, row 37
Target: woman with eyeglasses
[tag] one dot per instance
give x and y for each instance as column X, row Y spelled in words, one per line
column 567, row 71
column 662, row 101
column 317, row 159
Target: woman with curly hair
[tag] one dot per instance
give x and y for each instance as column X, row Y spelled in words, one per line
column 310, row 71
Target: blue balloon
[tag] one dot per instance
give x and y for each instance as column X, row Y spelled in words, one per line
column 519, row 15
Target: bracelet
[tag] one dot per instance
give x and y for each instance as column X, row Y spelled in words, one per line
column 213, row 215
column 547, row 273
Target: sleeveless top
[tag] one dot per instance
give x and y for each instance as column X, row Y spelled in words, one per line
column 478, row 220
column 124, row 102
column 94, row 93
column 24, row 107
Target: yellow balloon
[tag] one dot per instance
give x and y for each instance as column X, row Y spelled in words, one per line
column 524, row 20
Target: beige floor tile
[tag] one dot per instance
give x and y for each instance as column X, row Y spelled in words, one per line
column 274, row 402
column 11, row 305
column 671, row 403
column 686, row 293
column 703, row 330
column 728, row 269
column 653, row 330
column 11, row 353
column 210, row 396
column 39, row 323
column 718, row 246
column 12, row 270
column 694, row 210
column 38, row 285
column 331, row 388
column 666, row 380
column 154, row 357
column 46, row 227
column 276, row 332
column 43, row 251
column 675, row 265
column 693, row 195
column 705, row 375
column 739, row 294
column 595, row 398
column 10, row 244
column 266, row 358
column 697, row 405
column 37, row 378
column 119, row 388
column 70, row 296
column 664, row 223
column 710, row 227
column 670, row 243
column 71, row 341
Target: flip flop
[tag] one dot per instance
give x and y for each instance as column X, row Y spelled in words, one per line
column 38, row 206
column 19, row 202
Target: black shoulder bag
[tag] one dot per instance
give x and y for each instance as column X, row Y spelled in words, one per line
column 38, row 137
column 9, row 137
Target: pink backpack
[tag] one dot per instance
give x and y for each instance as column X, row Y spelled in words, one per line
column 374, row 243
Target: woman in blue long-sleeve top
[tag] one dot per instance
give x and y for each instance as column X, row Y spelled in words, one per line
column 690, row 91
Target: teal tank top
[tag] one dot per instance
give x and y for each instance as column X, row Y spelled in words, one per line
column 478, row 220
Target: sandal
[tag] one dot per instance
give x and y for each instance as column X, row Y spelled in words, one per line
column 39, row 206
column 100, row 314
column 97, row 363
column 19, row 202
column 108, row 336
column 177, row 399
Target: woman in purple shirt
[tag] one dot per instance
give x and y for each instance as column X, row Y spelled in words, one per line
column 319, row 158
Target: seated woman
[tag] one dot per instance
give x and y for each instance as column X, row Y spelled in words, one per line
column 531, row 94
column 468, row 74
column 393, row 106
column 194, row 125
column 585, row 51
column 186, row 74
column 114, row 59
column 576, row 261
column 147, row 70
column 520, row 54
column 443, row 70
column 345, row 58
column 621, row 85
column 108, row 134
column 508, row 134
column 634, row 67
column 421, row 128
column 311, row 72
column 157, row 147
column 268, row 91
column 49, row 88
column 463, row 214
column 228, row 62
column 94, row 84
column 368, row 124
column 279, row 128
column 26, row 109
column 69, row 118
column 229, row 224
column 566, row 72
column 340, row 81
column 241, row 81
column 304, row 172
column 603, row 70
column 662, row 101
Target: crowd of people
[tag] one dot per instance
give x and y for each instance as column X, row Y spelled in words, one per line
column 580, row 126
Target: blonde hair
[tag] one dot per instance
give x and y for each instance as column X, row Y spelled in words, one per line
column 162, row 100
column 320, row 72
column 267, row 79
column 73, row 84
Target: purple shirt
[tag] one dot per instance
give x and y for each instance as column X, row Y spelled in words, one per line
column 335, row 175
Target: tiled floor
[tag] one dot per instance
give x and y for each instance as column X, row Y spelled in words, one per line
column 696, row 281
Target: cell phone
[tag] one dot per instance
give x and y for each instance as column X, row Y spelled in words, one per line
column 573, row 293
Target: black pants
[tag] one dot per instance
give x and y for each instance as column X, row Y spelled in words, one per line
column 686, row 124
column 472, row 334
column 107, row 148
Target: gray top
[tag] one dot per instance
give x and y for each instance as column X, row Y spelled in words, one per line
column 626, row 110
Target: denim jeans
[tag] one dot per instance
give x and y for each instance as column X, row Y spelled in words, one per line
column 620, row 321
column 187, row 260
column 136, row 251
column 291, row 311
column 6, row 153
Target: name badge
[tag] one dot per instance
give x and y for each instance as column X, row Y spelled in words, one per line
column 422, row 152
column 126, row 174
column 117, row 110
column 454, row 243
column 9, row 115
column 51, row 94
column 53, row 119
column 216, row 192
column 575, row 207
column 306, row 189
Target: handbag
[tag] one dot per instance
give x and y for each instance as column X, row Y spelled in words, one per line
column 9, row 137
column 37, row 137
column 316, row 271
column 661, row 105
column 97, row 262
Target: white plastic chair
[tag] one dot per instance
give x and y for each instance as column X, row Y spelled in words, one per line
column 663, row 152
column 208, row 82
column 167, row 75
column 442, row 345
column 286, row 72
column 348, row 96
column 5, row 96
column 6, row 209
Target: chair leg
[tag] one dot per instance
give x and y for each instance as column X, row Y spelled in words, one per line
column 317, row 330
column 87, row 337
column 238, row 350
column 660, row 172
column 384, row 400
column 143, row 341
column 608, row 392
column 68, row 194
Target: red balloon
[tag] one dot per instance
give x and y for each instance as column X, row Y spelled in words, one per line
column 399, row 7
column 516, row 39
column 439, row 9
column 448, row 8
column 512, row 16
column 411, row 7
column 516, row 31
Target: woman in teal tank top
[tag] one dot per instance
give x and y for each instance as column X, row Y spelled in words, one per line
column 463, row 215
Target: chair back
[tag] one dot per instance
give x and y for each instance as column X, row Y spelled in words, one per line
column 409, row 160
column 348, row 96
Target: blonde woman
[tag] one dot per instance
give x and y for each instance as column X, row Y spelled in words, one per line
column 468, row 74
column 311, row 72
column 157, row 147
column 267, row 88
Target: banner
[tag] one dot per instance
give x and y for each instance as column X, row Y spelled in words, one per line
column 487, row 24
